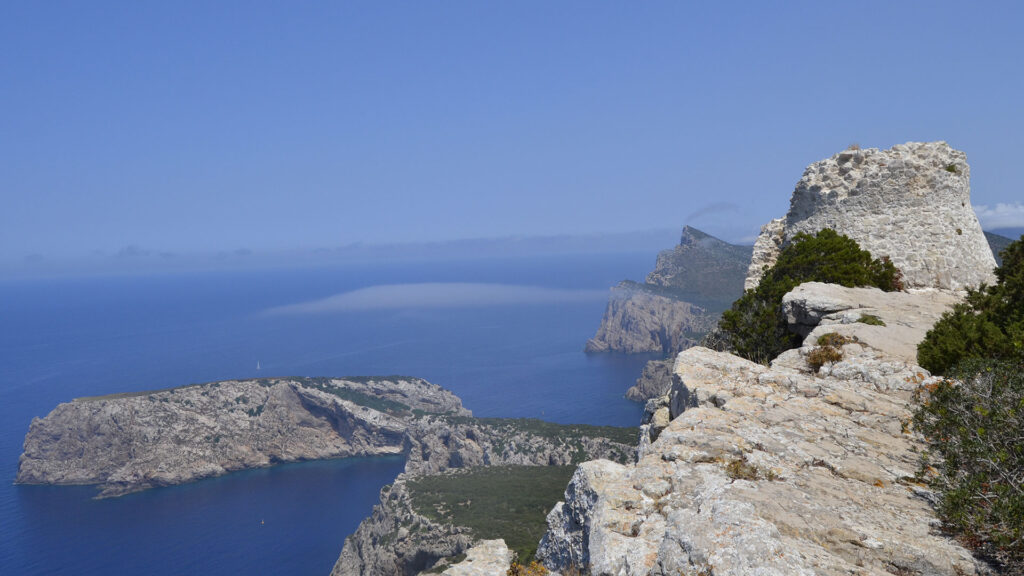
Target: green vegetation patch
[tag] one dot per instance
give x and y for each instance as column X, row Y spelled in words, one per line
column 821, row 355
column 754, row 327
column 510, row 502
column 740, row 469
column 834, row 339
column 974, row 426
column 989, row 323
column 871, row 320
column 550, row 430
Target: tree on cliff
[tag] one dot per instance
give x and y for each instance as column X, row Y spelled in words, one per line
column 989, row 323
column 754, row 327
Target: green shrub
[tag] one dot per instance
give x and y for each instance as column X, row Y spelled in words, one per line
column 988, row 324
column 754, row 327
column 871, row 320
column 974, row 427
column 822, row 355
column 509, row 502
column 833, row 339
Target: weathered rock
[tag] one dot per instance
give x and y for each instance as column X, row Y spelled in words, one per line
column 814, row 308
column 395, row 540
column 488, row 558
column 910, row 203
column 639, row 320
column 772, row 470
column 130, row 442
column 655, row 381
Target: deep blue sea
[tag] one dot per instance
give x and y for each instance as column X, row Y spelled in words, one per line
column 61, row 339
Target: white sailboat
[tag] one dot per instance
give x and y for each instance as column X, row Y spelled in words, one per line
column 257, row 364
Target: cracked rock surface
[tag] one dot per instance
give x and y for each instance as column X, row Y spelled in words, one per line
column 773, row 469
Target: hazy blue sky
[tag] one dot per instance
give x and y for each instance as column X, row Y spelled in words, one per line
column 182, row 126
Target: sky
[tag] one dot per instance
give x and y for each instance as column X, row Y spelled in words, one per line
column 188, row 127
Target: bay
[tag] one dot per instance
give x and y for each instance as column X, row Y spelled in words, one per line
column 65, row 338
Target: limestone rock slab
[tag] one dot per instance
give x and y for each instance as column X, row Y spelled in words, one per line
column 773, row 470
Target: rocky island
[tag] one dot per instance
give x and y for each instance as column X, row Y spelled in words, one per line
column 129, row 442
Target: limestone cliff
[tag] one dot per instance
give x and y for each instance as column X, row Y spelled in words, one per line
column 679, row 302
column 910, row 203
column 639, row 319
column 396, row 539
column 775, row 469
column 130, row 442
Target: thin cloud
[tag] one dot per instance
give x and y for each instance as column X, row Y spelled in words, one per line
column 713, row 208
column 437, row 295
column 1000, row 216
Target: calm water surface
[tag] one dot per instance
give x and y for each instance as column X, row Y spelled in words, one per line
column 60, row 339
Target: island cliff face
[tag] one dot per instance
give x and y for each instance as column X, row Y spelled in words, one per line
column 910, row 203
column 679, row 302
column 130, row 442
column 703, row 267
column 639, row 320
column 795, row 468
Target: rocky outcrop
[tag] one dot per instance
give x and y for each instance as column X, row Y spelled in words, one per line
column 639, row 319
column 395, row 539
column 679, row 303
column 654, row 381
column 889, row 321
column 910, row 203
column 488, row 558
column 774, row 469
column 130, row 442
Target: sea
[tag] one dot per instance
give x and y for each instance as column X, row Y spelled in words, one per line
column 508, row 340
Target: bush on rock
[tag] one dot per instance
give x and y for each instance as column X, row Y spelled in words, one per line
column 974, row 426
column 754, row 327
column 988, row 324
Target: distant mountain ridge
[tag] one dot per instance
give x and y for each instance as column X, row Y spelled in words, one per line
column 998, row 242
column 703, row 269
column 681, row 300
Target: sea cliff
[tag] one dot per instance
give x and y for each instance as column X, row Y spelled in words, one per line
column 677, row 304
